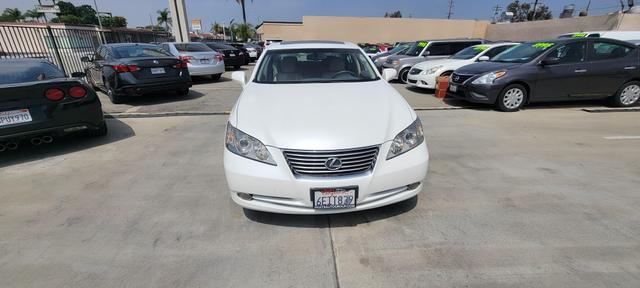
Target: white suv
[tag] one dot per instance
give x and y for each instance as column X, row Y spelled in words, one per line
column 317, row 130
column 424, row 74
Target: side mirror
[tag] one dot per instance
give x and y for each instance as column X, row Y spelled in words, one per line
column 239, row 76
column 86, row 59
column 550, row 61
column 78, row 74
column 389, row 74
column 483, row 59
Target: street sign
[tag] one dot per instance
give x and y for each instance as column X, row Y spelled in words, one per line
column 196, row 24
column 47, row 9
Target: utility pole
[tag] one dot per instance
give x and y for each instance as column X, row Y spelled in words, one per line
column 535, row 5
column 622, row 5
column 588, row 5
column 102, row 38
column 496, row 12
column 450, row 9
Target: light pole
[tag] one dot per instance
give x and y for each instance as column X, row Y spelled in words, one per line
column 230, row 29
column 102, row 39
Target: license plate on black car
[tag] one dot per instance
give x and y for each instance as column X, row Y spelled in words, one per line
column 334, row 198
column 15, row 117
column 453, row 88
column 157, row 70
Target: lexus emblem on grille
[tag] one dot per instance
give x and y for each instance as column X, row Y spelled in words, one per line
column 333, row 163
column 456, row 78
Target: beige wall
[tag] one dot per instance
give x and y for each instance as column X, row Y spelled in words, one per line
column 390, row 30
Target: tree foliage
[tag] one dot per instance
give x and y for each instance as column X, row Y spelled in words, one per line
column 243, row 32
column 11, row 15
column 523, row 11
column 113, row 22
column 396, row 14
column 33, row 14
column 164, row 18
column 71, row 14
column 216, row 28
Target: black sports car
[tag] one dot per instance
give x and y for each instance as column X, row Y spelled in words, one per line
column 130, row 69
column 38, row 102
column 233, row 57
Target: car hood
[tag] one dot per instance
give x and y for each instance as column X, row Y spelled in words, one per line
column 322, row 116
column 484, row 67
column 400, row 57
column 436, row 62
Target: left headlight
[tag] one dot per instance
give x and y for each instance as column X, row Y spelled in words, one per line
column 434, row 69
column 244, row 145
column 406, row 140
column 489, row 78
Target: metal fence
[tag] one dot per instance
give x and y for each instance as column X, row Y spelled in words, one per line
column 63, row 46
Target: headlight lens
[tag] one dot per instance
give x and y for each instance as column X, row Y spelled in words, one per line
column 489, row 78
column 246, row 146
column 434, row 69
column 395, row 62
column 406, row 140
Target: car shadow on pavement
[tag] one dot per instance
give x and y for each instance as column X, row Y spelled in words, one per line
column 332, row 220
column 420, row 90
column 71, row 143
column 153, row 99
column 583, row 104
column 206, row 80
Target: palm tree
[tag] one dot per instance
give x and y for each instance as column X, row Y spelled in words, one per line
column 164, row 17
column 216, row 28
column 244, row 31
column 33, row 14
column 244, row 14
column 11, row 14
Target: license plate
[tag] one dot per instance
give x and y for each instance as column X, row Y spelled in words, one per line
column 15, row 117
column 204, row 61
column 453, row 88
column 334, row 198
column 157, row 70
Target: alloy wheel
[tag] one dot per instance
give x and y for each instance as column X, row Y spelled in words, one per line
column 630, row 95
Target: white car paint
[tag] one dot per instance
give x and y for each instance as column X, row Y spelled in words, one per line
column 319, row 117
column 432, row 69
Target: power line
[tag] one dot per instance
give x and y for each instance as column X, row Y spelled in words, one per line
column 450, row 9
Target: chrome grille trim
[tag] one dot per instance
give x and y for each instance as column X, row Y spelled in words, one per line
column 460, row 78
column 312, row 163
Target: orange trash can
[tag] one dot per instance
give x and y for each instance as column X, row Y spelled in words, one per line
column 442, row 85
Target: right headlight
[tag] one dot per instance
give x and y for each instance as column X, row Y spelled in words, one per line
column 244, row 145
column 406, row 140
column 434, row 69
column 489, row 78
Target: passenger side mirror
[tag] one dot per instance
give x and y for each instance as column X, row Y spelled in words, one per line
column 239, row 76
column 86, row 59
column 78, row 74
column 550, row 61
column 483, row 59
column 389, row 74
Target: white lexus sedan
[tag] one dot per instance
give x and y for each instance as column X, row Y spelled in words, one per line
column 318, row 130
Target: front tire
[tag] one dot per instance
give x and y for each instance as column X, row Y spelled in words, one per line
column 404, row 75
column 183, row 92
column 215, row 77
column 512, row 98
column 628, row 95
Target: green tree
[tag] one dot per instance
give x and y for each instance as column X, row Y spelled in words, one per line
column 33, row 14
column 396, row 14
column 524, row 12
column 164, row 18
column 114, row 22
column 11, row 15
column 216, row 28
column 243, row 32
column 71, row 14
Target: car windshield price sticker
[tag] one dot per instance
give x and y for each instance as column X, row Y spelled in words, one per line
column 15, row 117
column 578, row 35
column 422, row 44
column 542, row 45
column 480, row 47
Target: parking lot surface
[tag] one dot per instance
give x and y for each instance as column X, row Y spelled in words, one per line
column 546, row 197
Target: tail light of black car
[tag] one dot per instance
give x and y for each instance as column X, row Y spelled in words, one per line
column 180, row 65
column 56, row 94
column 125, row 68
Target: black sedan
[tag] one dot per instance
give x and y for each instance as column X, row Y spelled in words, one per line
column 233, row 57
column 38, row 102
column 130, row 69
column 245, row 52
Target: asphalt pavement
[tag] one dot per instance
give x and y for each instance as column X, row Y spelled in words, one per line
column 545, row 197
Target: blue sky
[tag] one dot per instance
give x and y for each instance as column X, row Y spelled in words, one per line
column 137, row 11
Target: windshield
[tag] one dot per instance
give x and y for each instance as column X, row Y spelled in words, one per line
column 192, row 47
column 470, row 52
column 416, row 48
column 135, row 51
column 315, row 66
column 523, row 53
column 27, row 71
column 400, row 49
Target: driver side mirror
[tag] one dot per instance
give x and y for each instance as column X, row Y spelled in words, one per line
column 483, row 59
column 389, row 74
column 550, row 61
column 239, row 76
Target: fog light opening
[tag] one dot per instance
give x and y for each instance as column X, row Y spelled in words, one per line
column 245, row 196
column 413, row 186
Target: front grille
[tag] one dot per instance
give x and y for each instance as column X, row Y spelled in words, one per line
column 415, row 71
column 459, row 78
column 313, row 163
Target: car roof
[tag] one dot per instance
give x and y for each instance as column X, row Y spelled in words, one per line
column 310, row 44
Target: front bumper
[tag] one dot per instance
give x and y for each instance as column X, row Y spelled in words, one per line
column 206, row 69
column 276, row 189
column 422, row 81
column 485, row 94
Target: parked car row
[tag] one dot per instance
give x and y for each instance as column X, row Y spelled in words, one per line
column 509, row 75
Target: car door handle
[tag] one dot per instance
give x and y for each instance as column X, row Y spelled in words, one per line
column 630, row 68
column 580, row 70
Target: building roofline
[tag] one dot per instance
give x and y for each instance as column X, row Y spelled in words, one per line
column 279, row 22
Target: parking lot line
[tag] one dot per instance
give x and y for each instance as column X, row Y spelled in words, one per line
column 622, row 137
